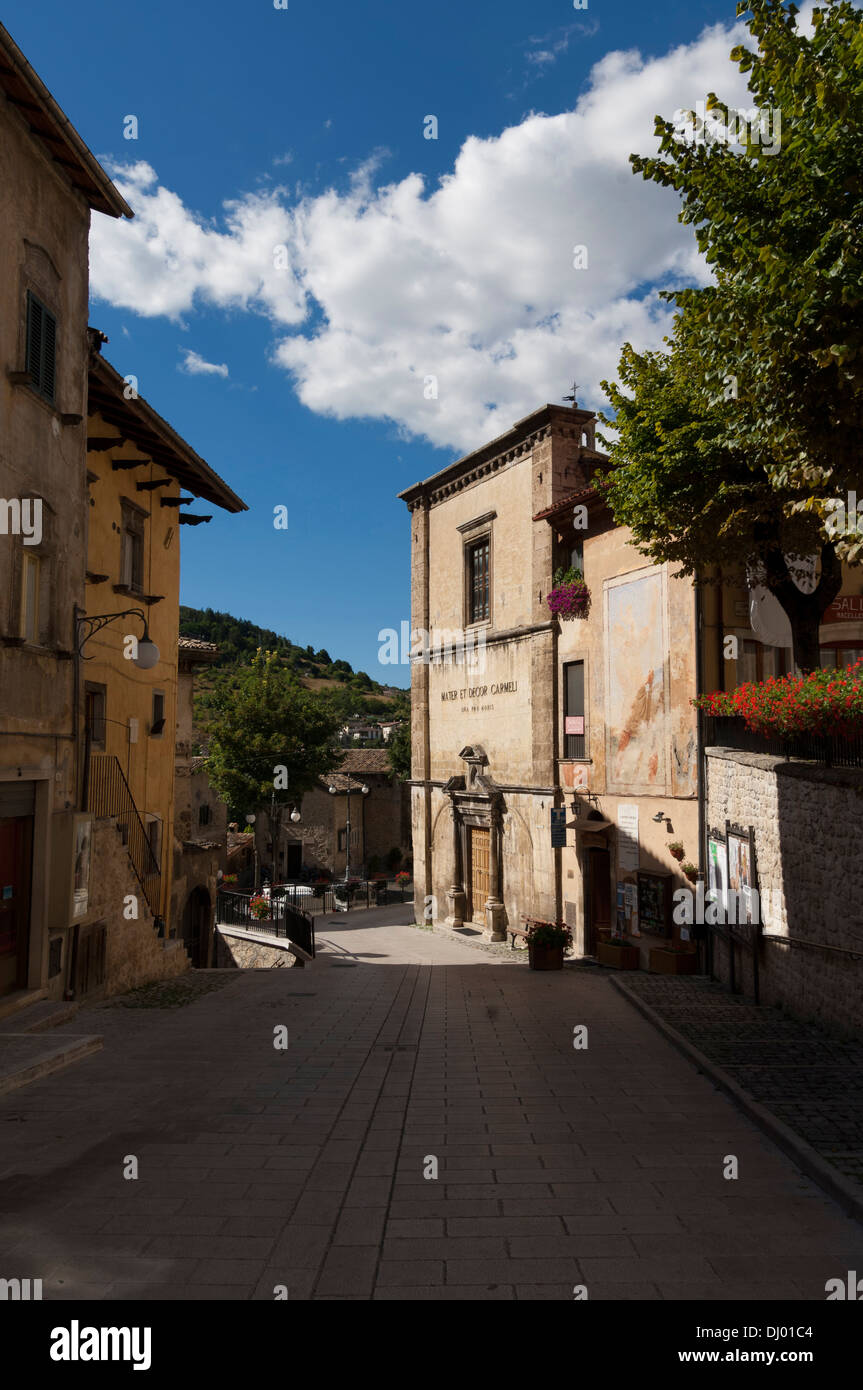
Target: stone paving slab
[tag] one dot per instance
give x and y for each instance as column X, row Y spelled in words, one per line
column 430, row 1134
column 809, row 1079
column 24, row 1057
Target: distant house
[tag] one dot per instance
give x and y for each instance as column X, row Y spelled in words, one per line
column 379, row 821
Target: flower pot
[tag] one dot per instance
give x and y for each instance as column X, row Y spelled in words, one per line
column 677, row 854
column 545, row 957
column 664, row 961
column 618, row 954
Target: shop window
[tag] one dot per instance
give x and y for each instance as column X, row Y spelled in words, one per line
column 840, row 658
column 757, row 662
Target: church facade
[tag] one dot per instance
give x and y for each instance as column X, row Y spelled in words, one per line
column 536, row 712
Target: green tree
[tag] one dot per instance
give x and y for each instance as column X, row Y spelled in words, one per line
column 783, row 232
column 779, row 332
column 261, row 720
column 399, row 750
column 693, row 500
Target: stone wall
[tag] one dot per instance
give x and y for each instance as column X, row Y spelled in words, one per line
column 238, row 953
column 806, row 820
column 135, row 954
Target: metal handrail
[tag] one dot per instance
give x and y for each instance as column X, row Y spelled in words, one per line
column 108, row 793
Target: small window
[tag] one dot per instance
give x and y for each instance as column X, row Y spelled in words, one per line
column 154, row 835
column 95, row 701
column 204, row 814
column 573, row 710
column 479, row 590
column 132, row 575
column 41, row 347
column 158, row 724
column 31, row 576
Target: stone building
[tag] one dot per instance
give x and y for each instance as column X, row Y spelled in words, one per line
column 496, row 707
column 140, row 475
column 518, row 714
column 200, row 817
column 318, row 842
column 51, row 183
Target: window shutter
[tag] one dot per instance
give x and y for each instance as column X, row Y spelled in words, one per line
column 49, row 353
column 34, row 338
column 41, row 347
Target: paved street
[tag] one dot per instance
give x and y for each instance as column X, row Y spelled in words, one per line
column 258, row 1168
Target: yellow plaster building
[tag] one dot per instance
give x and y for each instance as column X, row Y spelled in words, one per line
column 140, row 477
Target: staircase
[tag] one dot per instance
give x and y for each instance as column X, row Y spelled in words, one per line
column 107, row 793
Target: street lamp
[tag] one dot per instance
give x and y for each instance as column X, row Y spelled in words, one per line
column 334, row 792
column 250, row 820
column 147, row 654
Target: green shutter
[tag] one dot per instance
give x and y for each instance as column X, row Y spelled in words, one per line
column 41, row 347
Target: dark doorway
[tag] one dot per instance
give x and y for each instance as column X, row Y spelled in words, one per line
column 196, row 928
column 16, row 867
column 597, row 907
column 295, row 859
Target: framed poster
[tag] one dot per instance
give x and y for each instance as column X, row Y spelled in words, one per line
column 654, row 903
column 573, row 724
column 741, row 876
column 81, row 857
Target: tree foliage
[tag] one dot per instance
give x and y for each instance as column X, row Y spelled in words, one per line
column 261, row 720
column 783, row 233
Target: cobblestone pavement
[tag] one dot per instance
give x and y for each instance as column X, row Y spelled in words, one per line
column 257, row 1168
column 806, row 1077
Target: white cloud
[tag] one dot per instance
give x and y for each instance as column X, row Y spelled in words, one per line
column 471, row 281
column 196, row 365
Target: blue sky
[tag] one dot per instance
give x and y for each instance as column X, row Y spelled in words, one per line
column 310, row 121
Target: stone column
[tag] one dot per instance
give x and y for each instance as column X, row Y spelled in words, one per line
column 494, row 909
column 456, row 897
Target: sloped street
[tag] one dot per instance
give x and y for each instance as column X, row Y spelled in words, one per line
column 312, row 1168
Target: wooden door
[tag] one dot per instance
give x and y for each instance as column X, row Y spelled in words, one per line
column 598, row 913
column 16, row 838
column 480, row 844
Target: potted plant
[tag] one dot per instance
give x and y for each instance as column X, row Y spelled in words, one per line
column 403, row 878
column 569, row 596
column 676, row 849
column 546, row 943
column 691, row 871
column 259, row 906
column 618, row 954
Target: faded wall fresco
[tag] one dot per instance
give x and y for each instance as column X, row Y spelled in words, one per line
column 636, row 695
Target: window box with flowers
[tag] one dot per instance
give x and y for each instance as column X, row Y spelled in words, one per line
column 826, row 703
column 546, row 943
column 569, row 596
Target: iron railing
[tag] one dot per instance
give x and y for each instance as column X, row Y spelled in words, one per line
column 282, row 920
column 730, row 731
column 107, row 793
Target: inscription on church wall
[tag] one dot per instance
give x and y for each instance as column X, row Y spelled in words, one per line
column 494, row 710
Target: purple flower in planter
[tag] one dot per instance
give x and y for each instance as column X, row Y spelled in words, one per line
column 569, row 600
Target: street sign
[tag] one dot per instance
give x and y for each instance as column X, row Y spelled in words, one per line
column 558, row 828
